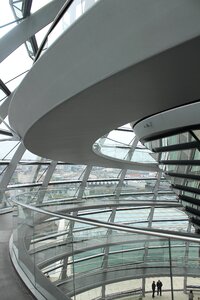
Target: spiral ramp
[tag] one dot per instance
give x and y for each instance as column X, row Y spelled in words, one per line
column 120, row 62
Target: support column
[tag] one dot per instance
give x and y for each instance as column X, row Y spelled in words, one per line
column 106, row 254
column 84, row 182
column 43, row 189
column 9, row 172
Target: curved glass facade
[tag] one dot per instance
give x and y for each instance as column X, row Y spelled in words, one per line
column 179, row 155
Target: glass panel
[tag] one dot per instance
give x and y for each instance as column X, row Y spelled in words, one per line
column 74, row 256
column 165, row 185
column 171, row 140
column 18, row 13
column 4, row 124
column 132, row 216
column 6, row 16
column 140, row 174
column 18, row 4
column 101, row 172
column 100, row 188
column 120, row 137
column 28, row 174
column 5, row 137
column 58, row 194
column 68, row 172
column 122, row 150
column 8, row 149
column 2, row 94
column 15, row 64
column 142, row 185
column 29, row 156
column 143, row 156
column 13, row 83
column 197, row 133
column 41, row 34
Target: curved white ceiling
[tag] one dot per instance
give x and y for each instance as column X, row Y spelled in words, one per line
column 118, row 63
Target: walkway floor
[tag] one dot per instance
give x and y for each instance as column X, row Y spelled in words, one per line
column 11, row 286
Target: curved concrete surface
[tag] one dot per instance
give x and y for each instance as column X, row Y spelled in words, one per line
column 117, row 64
column 178, row 118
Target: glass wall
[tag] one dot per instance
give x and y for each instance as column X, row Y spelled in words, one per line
column 85, row 259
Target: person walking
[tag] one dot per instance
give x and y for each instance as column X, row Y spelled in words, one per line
column 159, row 287
column 153, row 289
column 191, row 295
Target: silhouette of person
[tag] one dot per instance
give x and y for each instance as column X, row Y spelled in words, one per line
column 159, row 287
column 191, row 295
column 153, row 289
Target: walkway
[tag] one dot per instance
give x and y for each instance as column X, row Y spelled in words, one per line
column 11, row 286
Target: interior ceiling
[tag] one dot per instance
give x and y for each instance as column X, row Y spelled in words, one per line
column 68, row 134
column 69, row 108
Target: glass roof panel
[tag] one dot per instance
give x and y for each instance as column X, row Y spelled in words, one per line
column 41, row 34
column 2, row 101
column 18, row 13
column 116, row 152
column 143, row 156
column 29, row 46
column 7, row 149
column 15, row 64
column 6, row 16
column 197, row 133
column 30, row 156
column 18, row 5
column 4, row 137
column 5, row 29
column 124, row 137
column 13, row 83
column 2, row 94
column 4, row 124
column 126, row 127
